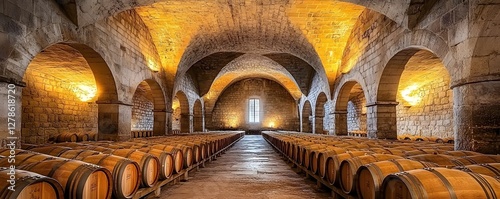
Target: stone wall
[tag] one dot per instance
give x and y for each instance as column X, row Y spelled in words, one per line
column 50, row 107
column 356, row 114
column 176, row 114
column 278, row 108
column 142, row 111
column 432, row 116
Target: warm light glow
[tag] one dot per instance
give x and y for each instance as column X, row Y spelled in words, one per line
column 153, row 66
column 412, row 94
column 233, row 122
column 84, row 92
column 271, row 124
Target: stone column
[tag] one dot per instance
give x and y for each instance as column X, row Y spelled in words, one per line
column 114, row 120
column 160, row 122
column 313, row 124
column 169, row 121
column 191, row 123
column 10, row 112
column 340, row 118
column 381, row 119
column 476, row 109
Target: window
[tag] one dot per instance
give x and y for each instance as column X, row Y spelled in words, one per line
column 253, row 111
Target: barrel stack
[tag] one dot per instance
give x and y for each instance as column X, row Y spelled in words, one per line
column 411, row 167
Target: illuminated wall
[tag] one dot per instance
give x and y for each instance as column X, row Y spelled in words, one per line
column 142, row 111
column 432, row 115
column 51, row 107
column 278, row 107
column 356, row 114
column 176, row 115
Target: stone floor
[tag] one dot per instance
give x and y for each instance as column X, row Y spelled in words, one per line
column 250, row 169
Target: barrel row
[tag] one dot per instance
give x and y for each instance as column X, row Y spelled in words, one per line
column 449, row 140
column 139, row 134
column 360, row 167
column 90, row 170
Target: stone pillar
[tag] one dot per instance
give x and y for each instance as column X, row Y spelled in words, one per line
column 191, row 123
column 340, row 118
column 160, row 122
column 169, row 121
column 476, row 109
column 114, row 121
column 381, row 119
column 313, row 124
column 10, row 112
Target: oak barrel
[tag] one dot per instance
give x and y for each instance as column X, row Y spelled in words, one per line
column 149, row 165
column 370, row 176
column 79, row 179
column 439, row 183
column 348, row 168
column 126, row 173
column 29, row 185
column 166, row 162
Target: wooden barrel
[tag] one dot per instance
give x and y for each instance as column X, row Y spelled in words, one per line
column 79, row 179
column 349, row 167
column 441, row 160
column 461, row 153
column 25, row 158
column 370, row 176
column 82, row 137
column 177, row 155
column 51, row 150
column 166, row 161
column 29, row 185
column 149, row 165
column 318, row 162
column 480, row 159
column 196, row 151
column 187, row 153
column 78, row 154
column 333, row 164
column 126, row 173
column 439, row 183
column 491, row 169
column 67, row 137
column 92, row 136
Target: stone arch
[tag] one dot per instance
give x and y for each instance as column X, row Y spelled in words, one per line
column 319, row 113
column 75, row 68
column 198, row 116
column 306, row 120
column 184, row 115
column 350, row 108
column 387, row 105
column 158, row 110
column 91, row 13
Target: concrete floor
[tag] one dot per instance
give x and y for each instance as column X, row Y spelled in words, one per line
column 250, row 169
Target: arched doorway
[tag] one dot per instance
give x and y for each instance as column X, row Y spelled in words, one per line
column 306, row 119
column 319, row 114
column 180, row 116
column 148, row 111
column 63, row 83
column 414, row 90
column 350, row 110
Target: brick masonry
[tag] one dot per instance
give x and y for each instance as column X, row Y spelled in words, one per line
column 278, row 109
column 50, row 107
column 142, row 111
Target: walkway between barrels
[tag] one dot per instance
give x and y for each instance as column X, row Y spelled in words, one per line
column 250, row 169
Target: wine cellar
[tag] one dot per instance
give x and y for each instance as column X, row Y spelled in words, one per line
column 141, row 99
